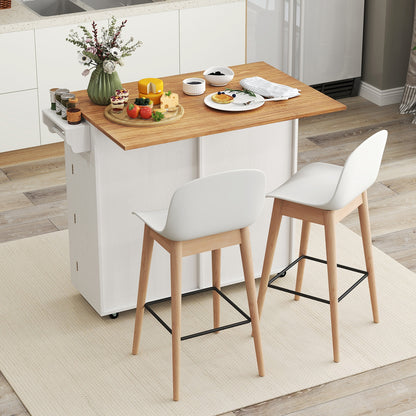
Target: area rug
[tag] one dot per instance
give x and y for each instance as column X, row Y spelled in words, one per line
column 63, row 359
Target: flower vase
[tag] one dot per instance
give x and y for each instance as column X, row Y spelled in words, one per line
column 102, row 86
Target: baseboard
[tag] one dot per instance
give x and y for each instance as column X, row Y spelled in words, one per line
column 46, row 151
column 381, row 97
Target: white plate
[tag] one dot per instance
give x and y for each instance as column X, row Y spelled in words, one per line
column 257, row 102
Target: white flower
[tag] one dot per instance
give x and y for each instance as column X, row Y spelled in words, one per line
column 116, row 52
column 109, row 66
column 120, row 62
column 83, row 59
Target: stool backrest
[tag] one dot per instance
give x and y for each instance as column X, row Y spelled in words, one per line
column 214, row 204
column 360, row 170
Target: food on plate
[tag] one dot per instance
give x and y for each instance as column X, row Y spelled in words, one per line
column 117, row 103
column 169, row 101
column 133, row 110
column 143, row 102
column 145, row 112
column 222, row 98
column 157, row 115
column 151, row 88
column 123, row 94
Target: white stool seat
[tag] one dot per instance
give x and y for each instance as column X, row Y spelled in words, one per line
column 314, row 185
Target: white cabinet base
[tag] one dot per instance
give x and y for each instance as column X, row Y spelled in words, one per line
column 105, row 184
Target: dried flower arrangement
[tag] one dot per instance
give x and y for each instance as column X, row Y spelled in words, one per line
column 105, row 48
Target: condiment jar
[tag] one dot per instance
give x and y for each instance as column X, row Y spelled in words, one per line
column 73, row 115
column 65, row 102
column 58, row 94
column 53, row 99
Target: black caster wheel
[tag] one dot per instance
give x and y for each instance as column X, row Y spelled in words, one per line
column 114, row 315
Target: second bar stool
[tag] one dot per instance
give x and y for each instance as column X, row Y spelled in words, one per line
column 324, row 194
column 204, row 215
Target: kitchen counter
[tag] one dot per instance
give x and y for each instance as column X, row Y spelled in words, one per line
column 309, row 103
column 113, row 170
column 20, row 17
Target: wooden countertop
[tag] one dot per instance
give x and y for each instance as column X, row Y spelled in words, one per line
column 200, row 120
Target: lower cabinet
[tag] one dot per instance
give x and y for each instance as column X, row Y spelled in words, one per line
column 212, row 35
column 19, row 121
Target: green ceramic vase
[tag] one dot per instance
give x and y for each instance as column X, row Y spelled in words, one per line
column 102, row 86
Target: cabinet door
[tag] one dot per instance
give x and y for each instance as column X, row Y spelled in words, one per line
column 331, row 37
column 212, row 35
column 19, row 129
column 18, row 68
column 268, row 28
column 57, row 67
column 159, row 54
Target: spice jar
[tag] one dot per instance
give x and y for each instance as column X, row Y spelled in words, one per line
column 53, row 99
column 73, row 115
column 58, row 95
column 65, row 102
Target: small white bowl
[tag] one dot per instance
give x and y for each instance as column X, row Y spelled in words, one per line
column 219, row 80
column 193, row 86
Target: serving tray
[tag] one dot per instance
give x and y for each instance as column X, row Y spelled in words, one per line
column 123, row 119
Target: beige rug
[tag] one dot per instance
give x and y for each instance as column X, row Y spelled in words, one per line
column 64, row 360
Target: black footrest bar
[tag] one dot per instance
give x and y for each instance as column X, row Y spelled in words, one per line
column 283, row 272
column 208, row 331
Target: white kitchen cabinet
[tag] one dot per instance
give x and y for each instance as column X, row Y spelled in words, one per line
column 18, row 64
column 159, row 54
column 19, row 121
column 212, row 35
column 315, row 41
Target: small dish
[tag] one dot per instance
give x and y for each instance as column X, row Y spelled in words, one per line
column 193, row 86
column 218, row 76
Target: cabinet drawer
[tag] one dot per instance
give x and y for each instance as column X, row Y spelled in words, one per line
column 18, row 69
column 19, row 129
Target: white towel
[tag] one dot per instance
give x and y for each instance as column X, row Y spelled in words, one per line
column 269, row 89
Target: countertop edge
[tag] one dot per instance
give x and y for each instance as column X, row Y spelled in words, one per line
column 21, row 18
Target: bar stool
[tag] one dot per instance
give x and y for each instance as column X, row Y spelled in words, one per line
column 324, row 194
column 206, row 214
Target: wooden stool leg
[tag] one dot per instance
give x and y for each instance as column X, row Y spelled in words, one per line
column 329, row 223
column 147, row 250
column 216, row 282
column 275, row 222
column 368, row 253
column 176, row 293
column 247, row 260
column 306, row 227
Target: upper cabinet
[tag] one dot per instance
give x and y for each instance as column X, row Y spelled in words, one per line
column 212, row 35
column 18, row 69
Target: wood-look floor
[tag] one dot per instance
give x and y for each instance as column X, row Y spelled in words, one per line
column 33, row 202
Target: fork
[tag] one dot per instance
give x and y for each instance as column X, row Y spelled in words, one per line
column 260, row 101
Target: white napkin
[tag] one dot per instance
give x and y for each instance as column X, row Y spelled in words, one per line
column 269, row 89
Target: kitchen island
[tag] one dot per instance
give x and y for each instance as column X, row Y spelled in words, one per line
column 113, row 170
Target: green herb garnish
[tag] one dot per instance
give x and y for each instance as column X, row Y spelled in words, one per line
column 244, row 91
column 157, row 115
column 168, row 93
